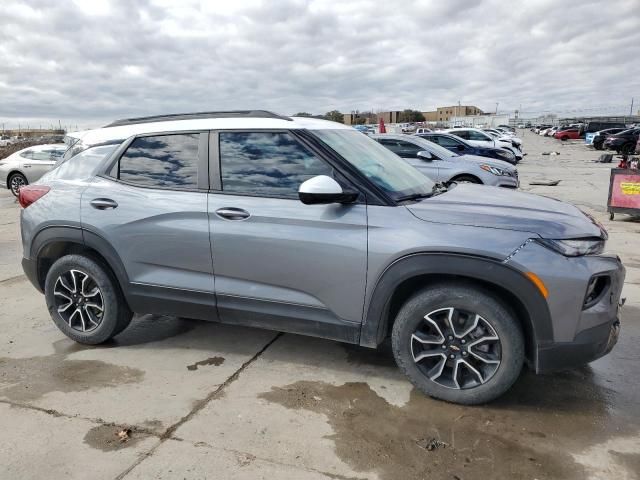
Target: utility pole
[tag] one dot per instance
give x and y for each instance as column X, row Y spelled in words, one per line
column 497, row 108
column 631, row 109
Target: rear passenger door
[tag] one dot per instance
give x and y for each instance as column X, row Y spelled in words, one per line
column 36, row 163
column 279, row 263
column 150, row 208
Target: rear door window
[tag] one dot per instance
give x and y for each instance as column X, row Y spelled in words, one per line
column 165, row 161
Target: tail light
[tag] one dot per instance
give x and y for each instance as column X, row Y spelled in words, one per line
column 31, row 193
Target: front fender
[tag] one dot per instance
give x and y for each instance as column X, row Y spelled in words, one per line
column 488, row 271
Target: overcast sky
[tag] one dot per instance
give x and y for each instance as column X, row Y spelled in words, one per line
column 87, row 62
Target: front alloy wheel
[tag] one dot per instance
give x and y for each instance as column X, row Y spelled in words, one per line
column 456, row 348
column 459, row 342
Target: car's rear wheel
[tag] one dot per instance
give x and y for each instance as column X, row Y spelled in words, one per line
column 16, row 182
column 465, row 179
column 85, row 301
column 598, row 145
column 564, row 138
column 458, row 343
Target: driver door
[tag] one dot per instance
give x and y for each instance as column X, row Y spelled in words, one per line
column 279, row 263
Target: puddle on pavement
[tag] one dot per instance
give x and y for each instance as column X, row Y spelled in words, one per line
column 27, row 379
column 371, row 434
column 107, row 438
column 531, row 432
column 215, row 361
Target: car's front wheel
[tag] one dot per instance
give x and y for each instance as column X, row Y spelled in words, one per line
column 16, row 182
column 465, row 179
column 458, row 343
column 85, row 301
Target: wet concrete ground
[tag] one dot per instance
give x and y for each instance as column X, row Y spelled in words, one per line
column 203, row 400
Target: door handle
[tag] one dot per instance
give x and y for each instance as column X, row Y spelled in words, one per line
column 103, row 203
column 231, row 213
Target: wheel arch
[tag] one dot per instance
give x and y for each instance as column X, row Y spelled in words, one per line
column 54, row 242
column 408, row 274
column 470, row 175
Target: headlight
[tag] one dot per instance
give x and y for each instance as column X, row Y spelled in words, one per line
column 494, row 170
column 505, row 154
column 575, row 247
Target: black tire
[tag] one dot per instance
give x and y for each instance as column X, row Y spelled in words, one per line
column 564, row 139
column 115, row 316
column 466, row 179
column 598, row 146
column 628, row 149
column 467, row 298
column 16, row 177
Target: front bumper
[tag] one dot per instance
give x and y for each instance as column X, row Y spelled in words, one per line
column 584, row 327
column 588, row 345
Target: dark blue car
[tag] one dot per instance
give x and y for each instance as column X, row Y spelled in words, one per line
column 459, row 146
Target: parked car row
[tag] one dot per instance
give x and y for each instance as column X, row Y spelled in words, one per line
column 307, row 226
column 442, row 165
column 614, row 136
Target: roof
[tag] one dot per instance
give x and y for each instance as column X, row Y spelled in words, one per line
column 123, row 129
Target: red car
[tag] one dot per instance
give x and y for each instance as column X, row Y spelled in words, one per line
column 569, row 133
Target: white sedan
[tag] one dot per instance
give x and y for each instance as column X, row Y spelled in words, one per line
column 28, row 165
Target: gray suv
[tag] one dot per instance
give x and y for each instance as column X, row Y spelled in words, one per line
column 307, row 226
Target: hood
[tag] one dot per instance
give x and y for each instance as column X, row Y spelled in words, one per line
column 488, row 161
column 495, row 207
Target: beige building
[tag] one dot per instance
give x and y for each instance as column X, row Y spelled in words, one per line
column 444, row 114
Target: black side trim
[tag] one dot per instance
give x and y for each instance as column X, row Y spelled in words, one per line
column 30, row 267
column 54, row 233
column 104, row 248
column 286, row 317
column 375, row 326
column 159, row 300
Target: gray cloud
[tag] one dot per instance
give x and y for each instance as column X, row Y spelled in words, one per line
column 91, row 61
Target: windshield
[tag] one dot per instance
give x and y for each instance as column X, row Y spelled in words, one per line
column 384, row 168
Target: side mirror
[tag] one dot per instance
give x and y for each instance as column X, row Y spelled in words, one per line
column 425, row 155
column 323, row 189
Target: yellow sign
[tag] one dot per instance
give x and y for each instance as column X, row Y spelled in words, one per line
column 629, row 188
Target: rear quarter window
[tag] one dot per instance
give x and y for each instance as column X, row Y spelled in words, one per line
column 82, row 165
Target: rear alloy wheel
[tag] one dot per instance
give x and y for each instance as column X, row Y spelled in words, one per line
column 79, row 300
column 458, row 343
column 16, row 182
column 628, row 149
column 85, row 301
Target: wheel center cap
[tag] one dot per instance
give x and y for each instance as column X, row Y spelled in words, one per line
column 455, row 348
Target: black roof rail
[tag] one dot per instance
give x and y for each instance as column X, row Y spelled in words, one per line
column 199, row 115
